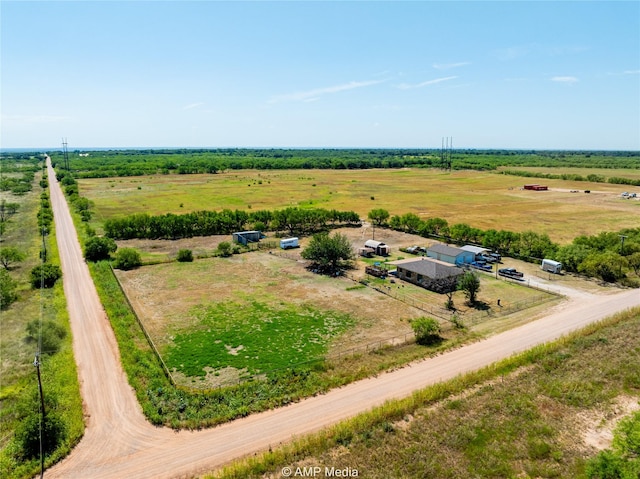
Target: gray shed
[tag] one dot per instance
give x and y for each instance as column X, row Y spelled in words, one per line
column 450, row 254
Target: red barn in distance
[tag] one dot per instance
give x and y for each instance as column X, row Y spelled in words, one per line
column 536, row 187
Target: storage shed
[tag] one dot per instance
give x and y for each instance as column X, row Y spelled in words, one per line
column 431, row 274
column 450, row 254
column 378, row 247
column 245, row 237
column 476, row 250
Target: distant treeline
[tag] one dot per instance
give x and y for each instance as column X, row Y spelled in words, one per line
column 113, row 163
column 574, row 177
column 205, row 223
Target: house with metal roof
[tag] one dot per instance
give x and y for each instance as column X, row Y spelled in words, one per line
column 429, row 273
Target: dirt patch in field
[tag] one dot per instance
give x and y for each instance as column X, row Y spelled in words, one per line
column 600, row 425
column 200, row 246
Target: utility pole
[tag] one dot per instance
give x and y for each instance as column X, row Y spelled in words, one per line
column 36, row 363
column 622, row 237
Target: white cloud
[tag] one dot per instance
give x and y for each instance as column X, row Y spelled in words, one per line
column 191, row 106
column 565, row 79
column 631, row 72
column 313, row 95
column 407, row 86
column 447, row 66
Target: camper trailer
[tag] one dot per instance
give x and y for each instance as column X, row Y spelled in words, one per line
column 287, row 243
column 551, row 266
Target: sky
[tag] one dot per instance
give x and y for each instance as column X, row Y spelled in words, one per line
column 309, row 74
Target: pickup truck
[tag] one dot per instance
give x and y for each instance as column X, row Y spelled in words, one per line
column 510, row 273
column 481, row 266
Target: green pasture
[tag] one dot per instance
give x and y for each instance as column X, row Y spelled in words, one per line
column 481, row 199
column 253, row 337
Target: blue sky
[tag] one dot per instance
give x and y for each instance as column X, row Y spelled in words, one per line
column 532, row 75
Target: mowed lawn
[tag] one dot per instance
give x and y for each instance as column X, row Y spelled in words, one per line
column 482, row 199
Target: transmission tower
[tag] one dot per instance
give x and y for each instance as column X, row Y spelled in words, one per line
column 65, row 154
column 446, row 152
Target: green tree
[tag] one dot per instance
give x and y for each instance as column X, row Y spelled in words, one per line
column 427, row 330
column 45, row 275
column 99, row 248
column 470, row 284
column 571, row 256
column 329, row 253
column 185, row 256
column 378, row 216
column 634, row 262
column 127, row 258
column 607, row 266
column 7, row 210
column 10, row 255
column 7, row 289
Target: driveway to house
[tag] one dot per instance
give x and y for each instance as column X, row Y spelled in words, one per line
column 120, row 443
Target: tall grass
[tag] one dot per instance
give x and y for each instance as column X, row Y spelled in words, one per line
column 489, row 423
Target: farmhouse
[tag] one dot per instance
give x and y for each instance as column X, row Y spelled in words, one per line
column 378, row 247
column 246, row 237
column 431, row 274
column 450, row 254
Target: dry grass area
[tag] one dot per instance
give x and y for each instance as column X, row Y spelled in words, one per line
column 543, row 420
column 170, row 297
column 482, row 199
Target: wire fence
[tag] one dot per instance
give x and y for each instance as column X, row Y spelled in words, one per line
column 144, row 330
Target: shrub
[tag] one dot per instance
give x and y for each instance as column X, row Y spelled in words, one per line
column 7, row 289
column 127, row 258
column 28, row 435
column 224, row 248
column 185, row 256
column 45, row 275
column 427, row 330
column 99, row 248
column 51, row 334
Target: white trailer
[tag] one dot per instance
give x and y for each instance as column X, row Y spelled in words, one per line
column 287, row 243
column 551, row 266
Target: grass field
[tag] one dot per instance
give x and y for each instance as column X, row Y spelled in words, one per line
column 219, row 319
column 543, row 419
column 482, row 199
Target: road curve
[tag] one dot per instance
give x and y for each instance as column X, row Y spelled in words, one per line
column 119, row 442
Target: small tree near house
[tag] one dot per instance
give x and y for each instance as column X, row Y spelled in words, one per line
column 329, row 253
column 470, row 284
column 427, row 330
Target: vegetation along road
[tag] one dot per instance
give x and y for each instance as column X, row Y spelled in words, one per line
column 119, row 442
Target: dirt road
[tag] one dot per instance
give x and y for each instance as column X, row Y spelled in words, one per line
column 120, row 443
